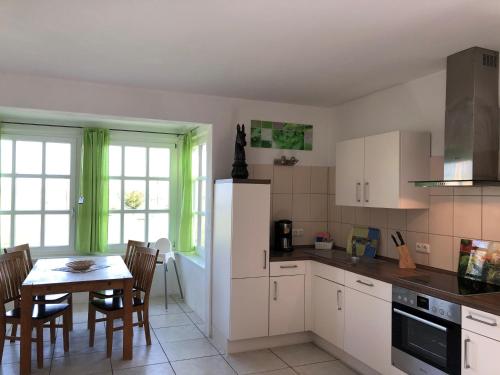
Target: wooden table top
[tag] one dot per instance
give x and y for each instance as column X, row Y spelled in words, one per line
column 44, row 271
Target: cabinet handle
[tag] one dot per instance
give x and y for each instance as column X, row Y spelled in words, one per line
column 492, row 324
column 358, row 191
column 339, row 293
column 466, row 353
column 367, row 190
column 265, row 259
column 294, row 266
column 275, row 290
column 364, row 283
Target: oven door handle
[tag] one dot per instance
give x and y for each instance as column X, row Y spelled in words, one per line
column 418, row 319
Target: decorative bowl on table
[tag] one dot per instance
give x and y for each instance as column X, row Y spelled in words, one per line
column 80, row 265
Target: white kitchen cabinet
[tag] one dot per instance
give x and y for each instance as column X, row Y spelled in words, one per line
column 249, row 308
column 375, row 171
column 240, row 286
column 328, row 310
column 479, row 354
column 286, row 305
column 349, row 172
column 368, row 330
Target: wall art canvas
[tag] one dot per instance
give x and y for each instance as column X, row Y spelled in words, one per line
column 281, row 135
column 480, row 261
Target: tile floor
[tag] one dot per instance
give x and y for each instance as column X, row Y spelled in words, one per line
column 179, row 347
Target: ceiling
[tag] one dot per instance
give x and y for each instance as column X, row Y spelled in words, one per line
column 316, row 52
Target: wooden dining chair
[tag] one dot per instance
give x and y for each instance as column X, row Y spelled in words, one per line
column 142, row 269
column 132, row 245
column 24, row 249
column 13, row 271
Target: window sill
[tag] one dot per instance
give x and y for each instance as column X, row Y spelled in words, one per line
column 193, row 258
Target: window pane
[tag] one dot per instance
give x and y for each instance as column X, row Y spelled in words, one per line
column 195, row 195
column 133, row 227
column 27, row 229
column 157, row 226
column 202, row 231
column 158, row 195
column 159, row 162
column 56, row 230
column 6, row 156
column 135, row 161
column 135, row 195
column 57, row 191
column 28, row 157
column 115, row 194
column 204, row 160
column 5, row 193
column 4, row 231
column 28, row 194
column 114, row 224
column 195, row 162
column 58, row 158
column 115, row 160
column 203, row 195
column 194, row 229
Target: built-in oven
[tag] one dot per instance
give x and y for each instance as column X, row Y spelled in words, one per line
column 425, row 333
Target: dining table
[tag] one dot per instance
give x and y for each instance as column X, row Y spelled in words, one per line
column 51, row 276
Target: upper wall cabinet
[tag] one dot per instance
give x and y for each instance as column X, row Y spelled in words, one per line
column 374, row 171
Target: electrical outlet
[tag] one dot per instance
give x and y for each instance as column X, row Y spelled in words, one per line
column 297, row 232
column 423, row 248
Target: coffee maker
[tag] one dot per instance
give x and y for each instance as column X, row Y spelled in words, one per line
column 283, row 235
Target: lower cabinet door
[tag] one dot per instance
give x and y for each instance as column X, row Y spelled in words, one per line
column 249, row 308
column 286, row 304
column 479, row 354
column 368, row 330
column 328, row 310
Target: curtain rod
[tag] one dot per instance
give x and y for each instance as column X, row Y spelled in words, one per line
column 83, row 127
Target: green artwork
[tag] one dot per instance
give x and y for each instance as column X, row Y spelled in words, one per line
column 282, row 135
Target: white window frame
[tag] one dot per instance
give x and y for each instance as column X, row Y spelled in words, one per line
column 200, row 140
column 136, row 139
column 44, row 135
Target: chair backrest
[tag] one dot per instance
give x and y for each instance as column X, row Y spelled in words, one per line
column 25, row 250
column 12, row 275
column 129, row 254
column 143, row 268
column 164, row 246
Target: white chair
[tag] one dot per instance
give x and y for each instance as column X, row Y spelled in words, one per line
column 163, row 245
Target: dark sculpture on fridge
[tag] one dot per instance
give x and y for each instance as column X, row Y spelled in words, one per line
column 240, row 170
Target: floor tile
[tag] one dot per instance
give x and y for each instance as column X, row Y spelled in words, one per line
column 11, row 352
column 185, row 307
column 79, row 344
column 139, row 338
column 143, row 355
column 284, row 371
column 195, row 318
column 189, row 349
column 173, row 308
column 170, row 334
column 203, row 366
column 169, row 320
column 302, row 354
column 255, row 361
column 95, row 363
column 325, row 368
column 160, row 369
column 14, row 369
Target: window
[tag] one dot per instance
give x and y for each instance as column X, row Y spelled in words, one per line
column 140, row 191
column 37, row 184
column 199, row 172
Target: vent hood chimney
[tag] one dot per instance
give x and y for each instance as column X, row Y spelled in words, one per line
column 471, row 121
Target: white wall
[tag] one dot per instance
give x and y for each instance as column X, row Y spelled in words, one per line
column 415, row 105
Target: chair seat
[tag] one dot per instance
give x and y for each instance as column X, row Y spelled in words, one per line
column 40, row 311
column 115, row 303
column 52, row 297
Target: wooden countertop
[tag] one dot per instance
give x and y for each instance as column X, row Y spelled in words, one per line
column 387, row 270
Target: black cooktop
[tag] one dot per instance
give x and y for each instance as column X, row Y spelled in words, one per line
column 453, row 284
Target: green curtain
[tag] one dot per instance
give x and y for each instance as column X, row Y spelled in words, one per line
column 186, row 219
column 92, row 216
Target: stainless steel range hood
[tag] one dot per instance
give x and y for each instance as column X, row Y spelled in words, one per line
column 471, row 121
